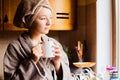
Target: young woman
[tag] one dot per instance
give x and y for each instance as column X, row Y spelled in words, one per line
column 24, row 59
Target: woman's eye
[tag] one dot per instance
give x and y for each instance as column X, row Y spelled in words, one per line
column 42, row 18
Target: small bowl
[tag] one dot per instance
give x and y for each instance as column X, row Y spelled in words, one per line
column 84, row 64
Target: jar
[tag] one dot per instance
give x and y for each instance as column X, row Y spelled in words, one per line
column 114, row 75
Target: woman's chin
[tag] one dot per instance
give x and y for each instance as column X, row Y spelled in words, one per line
column 46, row 32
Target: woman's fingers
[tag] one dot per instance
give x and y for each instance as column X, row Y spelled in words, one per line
column 57, row 54
column 57, row 50
column 37, row 52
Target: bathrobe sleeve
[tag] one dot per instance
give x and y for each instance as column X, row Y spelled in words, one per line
column 66, row 74
column 65, row 68
column 16, row 67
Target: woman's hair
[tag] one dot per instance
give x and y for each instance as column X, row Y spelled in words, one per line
column 27, row 11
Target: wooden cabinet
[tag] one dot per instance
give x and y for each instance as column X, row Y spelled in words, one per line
column 9, row 9
column 63, row 14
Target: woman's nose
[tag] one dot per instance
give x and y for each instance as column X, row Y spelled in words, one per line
column 49, row 21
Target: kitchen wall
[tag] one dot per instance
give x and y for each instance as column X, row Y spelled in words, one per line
column 91, row 31
column 85, row 30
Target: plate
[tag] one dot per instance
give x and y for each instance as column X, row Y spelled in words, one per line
column 84, row 64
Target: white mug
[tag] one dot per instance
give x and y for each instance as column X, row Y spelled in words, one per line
column 48, row 49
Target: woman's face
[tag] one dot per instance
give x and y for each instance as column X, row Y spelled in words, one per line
column 43, row 21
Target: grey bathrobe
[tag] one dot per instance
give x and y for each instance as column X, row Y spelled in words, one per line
column 18, row 64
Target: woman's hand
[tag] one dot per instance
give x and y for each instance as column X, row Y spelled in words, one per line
column 57, row 57
column 37, row 52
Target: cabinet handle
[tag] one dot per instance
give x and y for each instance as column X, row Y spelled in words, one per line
column 62, row 17
column 62, row 13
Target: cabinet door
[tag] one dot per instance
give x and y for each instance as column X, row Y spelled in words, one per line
column 63, row 14
column 10, row 7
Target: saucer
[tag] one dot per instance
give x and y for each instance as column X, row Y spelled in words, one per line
column 83, row 64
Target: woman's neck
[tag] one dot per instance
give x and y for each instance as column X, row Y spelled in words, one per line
column 36, row 37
